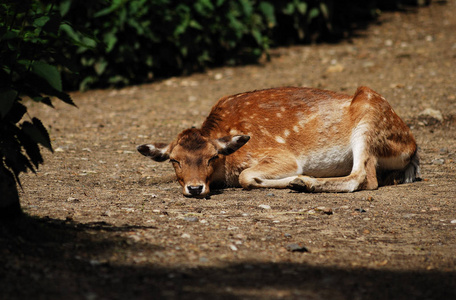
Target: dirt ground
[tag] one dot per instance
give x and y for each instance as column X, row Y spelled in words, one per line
column 107, row 223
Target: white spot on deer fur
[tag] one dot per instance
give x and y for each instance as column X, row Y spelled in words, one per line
column 280, row 140
column 282, row 109
column 279, row 115
column 286, row 133
column 234, row 132
column 296, row 129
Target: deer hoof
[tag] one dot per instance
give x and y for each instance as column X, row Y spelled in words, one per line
column 300, row 186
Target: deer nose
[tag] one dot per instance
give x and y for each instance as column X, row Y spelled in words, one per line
column 195, row 190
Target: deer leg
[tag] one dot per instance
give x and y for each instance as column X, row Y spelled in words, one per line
column 271, row 172
column 362, row 177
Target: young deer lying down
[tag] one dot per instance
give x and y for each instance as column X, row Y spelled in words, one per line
column 300, row 138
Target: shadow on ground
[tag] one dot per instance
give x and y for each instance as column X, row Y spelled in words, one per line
column 61, row 259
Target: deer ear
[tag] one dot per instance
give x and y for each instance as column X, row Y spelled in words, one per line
column 230, row 144
column 158, row 152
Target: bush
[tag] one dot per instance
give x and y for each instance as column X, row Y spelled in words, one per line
column 29, row 67
column 146, row 39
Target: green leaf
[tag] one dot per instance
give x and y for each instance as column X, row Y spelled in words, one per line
column 313, row 13
column 16, row 113
column 302, row 7
column 7, row 98
column 257, row 35
column 41, row 21
column 289, row 9
column 37, row 132
column 324, row 10
column 65, row 7
column 106, row 11
column 31, row 148
column 49, row 73
column 268, row 11
column 45, row 100
column 246, row 7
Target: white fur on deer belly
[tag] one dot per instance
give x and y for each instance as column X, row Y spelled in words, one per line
column 332, row 162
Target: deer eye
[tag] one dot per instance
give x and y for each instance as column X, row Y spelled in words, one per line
column 175, row 162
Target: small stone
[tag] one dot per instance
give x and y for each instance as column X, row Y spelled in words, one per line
column 296, row 247
column 409, row 216
column 107, row 213
column 438, row 161
column 453, row 221
column 191, row 219
column 431, row 116
column 270, row 195
column 150, row 195
column 370, row 199
column 185, row 235
column 72, row 199
column 287, row 235
column 324, row 210
column 233, row 247
column 361, row 210
column 337, row 68
column 264, row 206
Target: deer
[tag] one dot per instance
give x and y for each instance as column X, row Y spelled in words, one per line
column 303, row 139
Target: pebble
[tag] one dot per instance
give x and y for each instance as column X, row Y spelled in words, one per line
column 324, row 210
column 296, row 247
column 434, row 115
column 107, row 213
column 191, row 219
column 337, row 68
column 408, row 216
column 453, row 221
column 185, row 235
column 72, row 199
column 264, row 206
column 361, row 210
column 150, row 195
column 233, row 247
column 438, row 161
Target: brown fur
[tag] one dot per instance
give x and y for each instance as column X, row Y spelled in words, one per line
column 303, row 138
